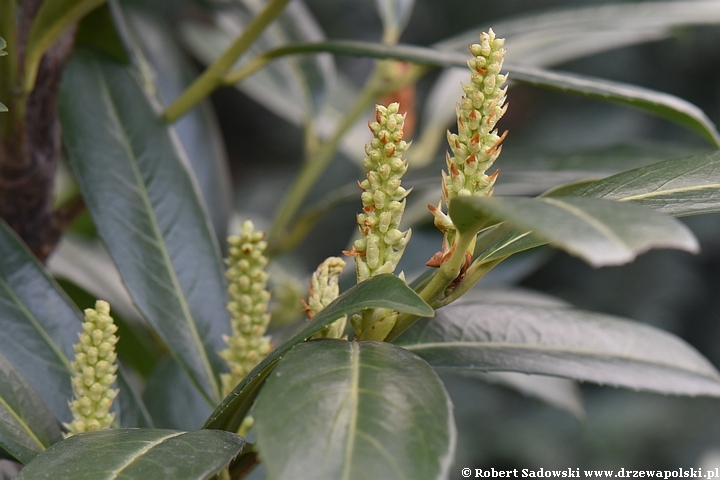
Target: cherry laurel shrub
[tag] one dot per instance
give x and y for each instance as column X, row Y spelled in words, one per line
column 182, row 379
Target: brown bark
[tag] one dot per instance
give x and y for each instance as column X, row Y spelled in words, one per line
column 30, row 155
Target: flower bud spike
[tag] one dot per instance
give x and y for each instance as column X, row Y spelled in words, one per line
column 248, row 305
column 323, row 290
column 94, row 372
column 384, row 243
column 383, row 197
column 476, row 145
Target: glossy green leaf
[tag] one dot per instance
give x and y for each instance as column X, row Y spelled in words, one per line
column 26, row 425
column 338, row 409
column 135, row 181
column 171, row 400
column 50, row 22
column 660, row 104
column 139, row 454
column 152, row 48
column 657, row 103
column 38, row 324
column 562, row 342
column 601, row 232
column 130, row 410
column 679, row 187
column 381, row 291
column 558, row 36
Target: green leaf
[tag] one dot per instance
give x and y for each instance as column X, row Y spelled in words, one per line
column 679, row 187
column 555, row 37
column 135, row 181
column 381, row 291
column 171, row 399
column 338, row 409
column 562, row 342
column 601, row 232
column 152, row 48
column 136, row 454
column 50, row 22
column 26, row 425
column 38, row 324
column 657, row 103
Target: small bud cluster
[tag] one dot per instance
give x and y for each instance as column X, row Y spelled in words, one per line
column 248, row 305
column 382, row 245
column 477, row 144
column 323, row 290
column 94, row 371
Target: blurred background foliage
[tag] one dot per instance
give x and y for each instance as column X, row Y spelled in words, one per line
column 553, row 138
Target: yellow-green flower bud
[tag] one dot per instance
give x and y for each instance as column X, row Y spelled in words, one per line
column 383, row 243
column 248, row 305
column 476, row 146
column 383, row 197
column 323, row 290
column 94, row 371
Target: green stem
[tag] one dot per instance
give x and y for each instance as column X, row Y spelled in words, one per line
column 449, row 270
column 213, row 75
column 406, row 53
column 476, row 271
column 434, row 292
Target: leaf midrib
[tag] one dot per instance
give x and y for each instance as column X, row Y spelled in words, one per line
column 142, row 451
column 661, row 193
column 142, row 191
column 588, row 219
column 353, row 395
column 38, row 327
column 554, row 348
column 23, row 424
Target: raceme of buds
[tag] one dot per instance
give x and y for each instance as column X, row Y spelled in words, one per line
column 382, row 243
column 94, row 371
column 248, row 305
column 477, row 144
column 323, row 290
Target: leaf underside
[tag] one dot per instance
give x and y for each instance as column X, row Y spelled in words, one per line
column 562, row 342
